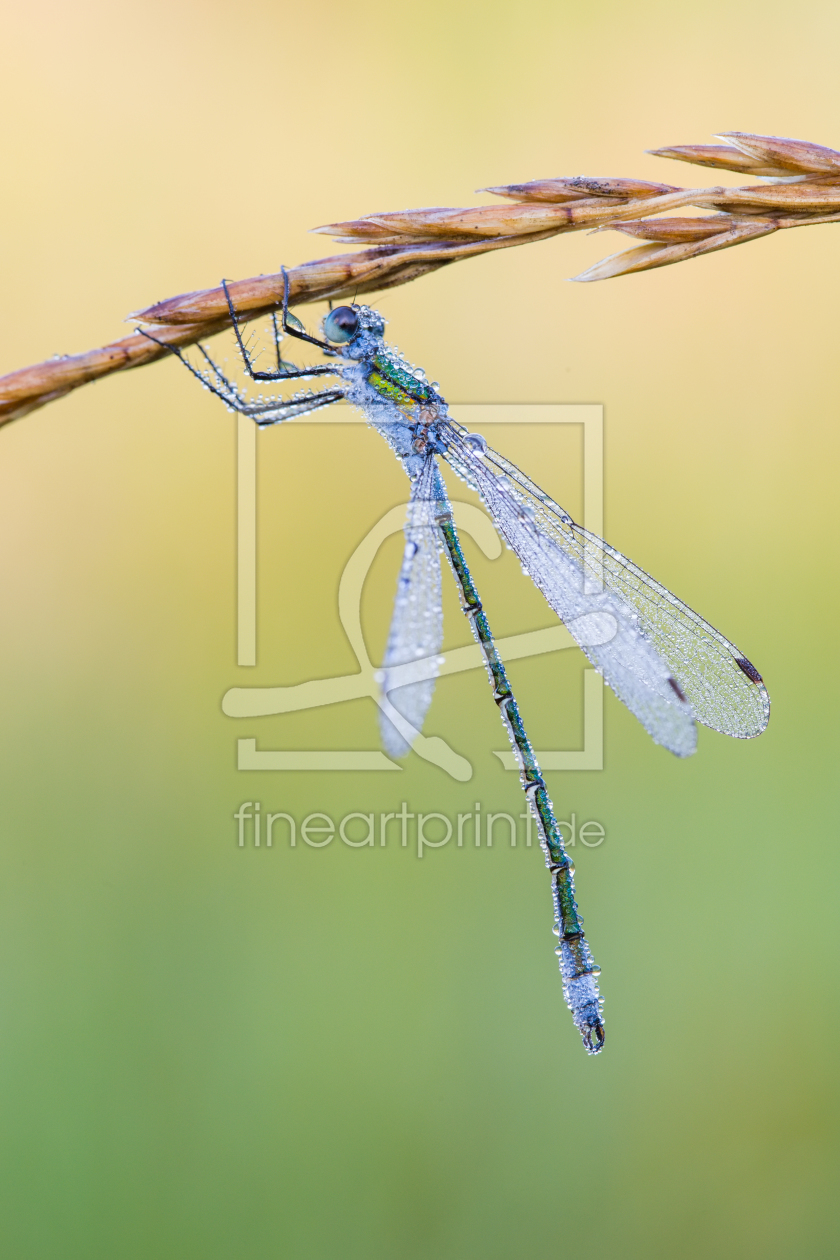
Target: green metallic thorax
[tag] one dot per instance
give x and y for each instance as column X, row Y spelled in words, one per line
column 396, row 384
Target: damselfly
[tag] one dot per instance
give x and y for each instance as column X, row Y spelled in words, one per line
column 667, row 664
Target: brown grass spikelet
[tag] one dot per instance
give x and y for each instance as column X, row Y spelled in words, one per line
column 723, row 157
column 580, row 186
column 790, row 155
column 673, row 231
column 658, row 254
column 801, row 187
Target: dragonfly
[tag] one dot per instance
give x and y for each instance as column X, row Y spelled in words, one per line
column 668, row 666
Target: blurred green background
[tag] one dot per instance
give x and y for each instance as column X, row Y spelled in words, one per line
column 208, row 1051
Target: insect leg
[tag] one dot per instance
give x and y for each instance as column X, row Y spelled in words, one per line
column 282, row 374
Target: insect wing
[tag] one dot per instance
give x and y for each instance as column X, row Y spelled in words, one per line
column 701, row 667
column 410, row 666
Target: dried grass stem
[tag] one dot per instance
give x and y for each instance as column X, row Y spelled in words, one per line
column 804, row 189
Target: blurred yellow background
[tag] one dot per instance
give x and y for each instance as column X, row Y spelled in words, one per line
column 214, row 1052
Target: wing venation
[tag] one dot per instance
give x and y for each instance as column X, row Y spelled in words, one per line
column 699, row 672
column 416, row 633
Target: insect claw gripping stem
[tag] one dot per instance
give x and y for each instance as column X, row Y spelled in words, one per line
column 577, row 966
column 282, row 373
column 298, row 332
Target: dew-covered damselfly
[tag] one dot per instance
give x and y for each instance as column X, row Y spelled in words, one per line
column 668, row 665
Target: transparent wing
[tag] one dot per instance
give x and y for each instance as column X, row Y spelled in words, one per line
column 410, row 666
column 665, row 662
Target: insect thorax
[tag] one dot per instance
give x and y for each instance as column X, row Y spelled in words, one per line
column 396, row 383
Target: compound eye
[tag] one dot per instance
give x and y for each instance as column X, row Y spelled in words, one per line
column 341, row 324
